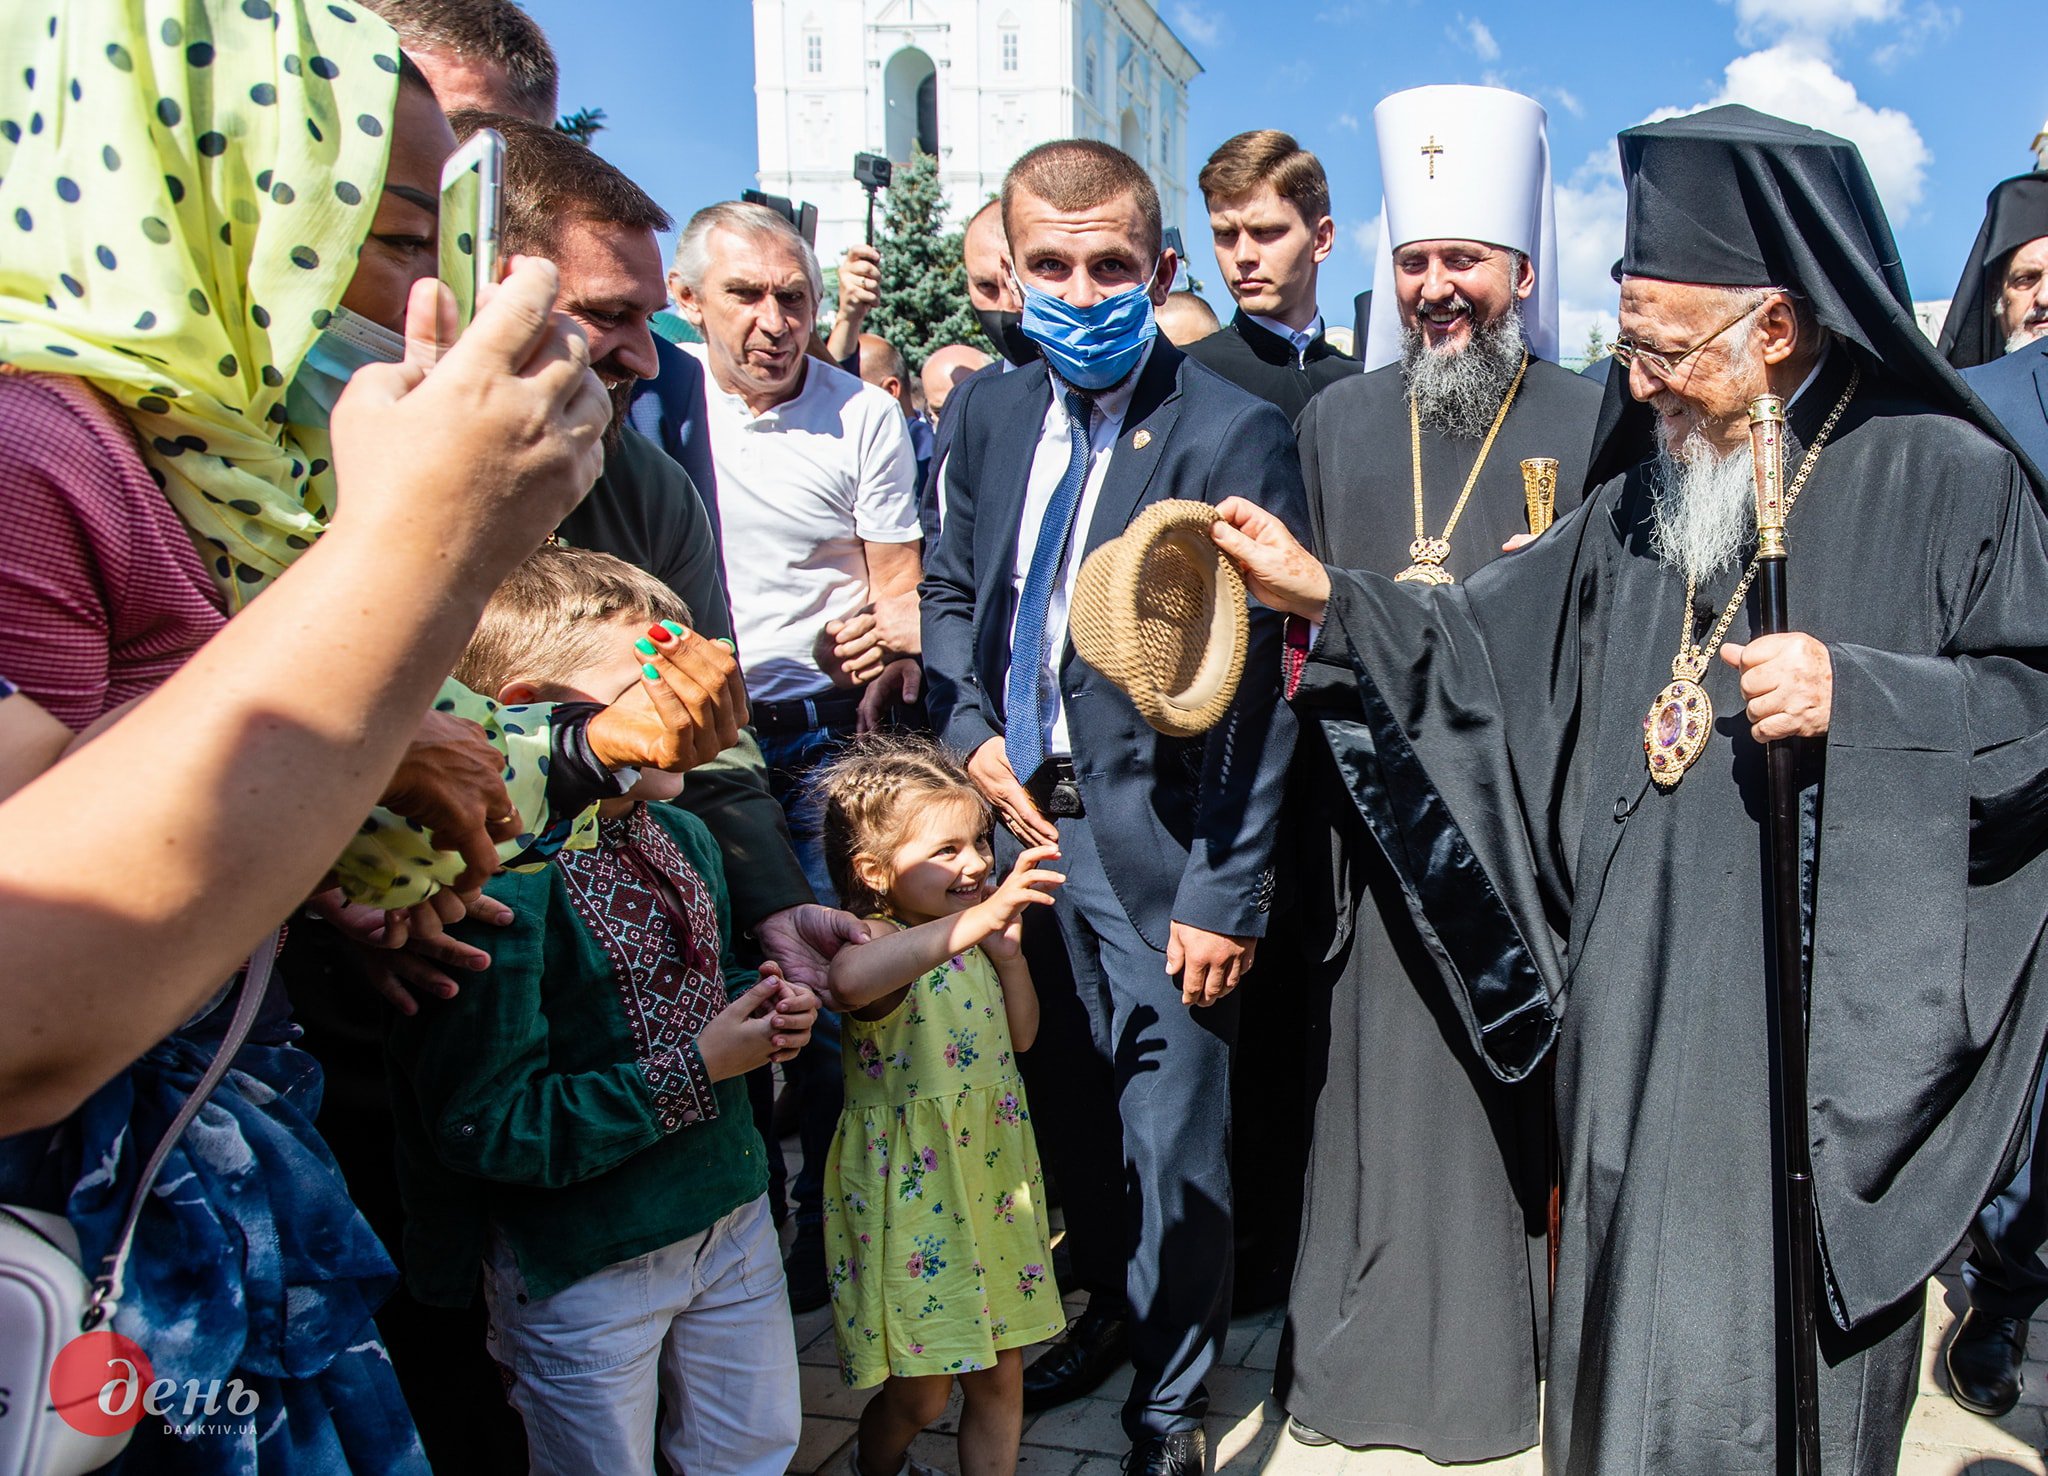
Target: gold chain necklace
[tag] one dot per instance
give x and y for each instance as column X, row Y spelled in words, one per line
column 1429, row 553
column 1680, row 718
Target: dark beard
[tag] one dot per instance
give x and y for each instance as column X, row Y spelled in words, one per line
column 1458, row 394
column 621, row 395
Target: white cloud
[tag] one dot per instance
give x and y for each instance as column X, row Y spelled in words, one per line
column 1565, row 98
column 1791, row 72
column 1591, row 214
column 1755, row 19
column 1798, row 82
column 1479, row 39
column 1366, row 236
column 1347, row 121
column 1930, row 22
column 1197, row 25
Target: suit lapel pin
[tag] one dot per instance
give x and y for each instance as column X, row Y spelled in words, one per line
column 1141, row 440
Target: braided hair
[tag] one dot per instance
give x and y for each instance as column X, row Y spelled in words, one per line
column 868, row 797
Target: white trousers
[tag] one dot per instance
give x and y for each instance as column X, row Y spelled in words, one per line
column 699, row 1330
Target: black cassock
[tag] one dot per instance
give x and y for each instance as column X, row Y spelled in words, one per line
column 1264, row 363
column 1418, row 1305
column 1567, row 901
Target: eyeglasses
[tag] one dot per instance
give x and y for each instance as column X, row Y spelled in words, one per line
column 1627, row 353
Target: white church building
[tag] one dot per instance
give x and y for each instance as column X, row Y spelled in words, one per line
column 974, row 82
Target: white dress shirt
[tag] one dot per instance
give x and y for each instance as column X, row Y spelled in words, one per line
column 1301, row 338
column 1048, row 466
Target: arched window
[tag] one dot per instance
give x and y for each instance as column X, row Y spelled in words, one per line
column 1131, row 140
column 910, row 89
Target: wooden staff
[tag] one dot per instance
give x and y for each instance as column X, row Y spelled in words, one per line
column 1794, row 1201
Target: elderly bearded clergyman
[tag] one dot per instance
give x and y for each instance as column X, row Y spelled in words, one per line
column 1592, row 883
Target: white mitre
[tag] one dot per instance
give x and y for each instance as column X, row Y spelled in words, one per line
column 1464, row 164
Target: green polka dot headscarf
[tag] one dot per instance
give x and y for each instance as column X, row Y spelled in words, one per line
column 184, row 187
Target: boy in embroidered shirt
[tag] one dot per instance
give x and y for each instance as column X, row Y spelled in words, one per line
column 574, row 1121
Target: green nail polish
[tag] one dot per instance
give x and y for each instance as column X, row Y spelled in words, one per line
column 671, row 627
column 650, row 673
column 644, row 646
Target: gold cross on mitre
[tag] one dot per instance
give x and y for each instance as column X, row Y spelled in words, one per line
column 1429, row 151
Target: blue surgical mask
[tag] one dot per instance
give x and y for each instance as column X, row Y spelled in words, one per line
column 1091, row 348
column 346, row 344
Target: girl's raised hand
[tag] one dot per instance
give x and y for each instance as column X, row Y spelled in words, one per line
column 1028, row 884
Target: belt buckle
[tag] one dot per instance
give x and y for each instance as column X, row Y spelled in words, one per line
column 1064, row 803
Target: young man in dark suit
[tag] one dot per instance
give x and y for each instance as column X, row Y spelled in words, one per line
column 1269, row 216
column 1166, row 843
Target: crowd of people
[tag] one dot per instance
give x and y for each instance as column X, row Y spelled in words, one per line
column 548, row 767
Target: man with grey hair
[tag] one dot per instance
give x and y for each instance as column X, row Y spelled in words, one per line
column 817, row 503
column 1415, row 469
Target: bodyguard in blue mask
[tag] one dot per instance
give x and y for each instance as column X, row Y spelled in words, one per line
column 1166, row 843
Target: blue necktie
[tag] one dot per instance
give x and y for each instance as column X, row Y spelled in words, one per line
column 1024, row 728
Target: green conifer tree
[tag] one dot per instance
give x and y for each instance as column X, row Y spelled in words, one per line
column 924, row 285
column 582, row 125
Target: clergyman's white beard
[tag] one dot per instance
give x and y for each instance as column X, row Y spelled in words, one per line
column 2035, row 325
column 1704, row 508
column 1458, row 392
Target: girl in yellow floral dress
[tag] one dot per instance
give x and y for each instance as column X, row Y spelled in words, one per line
column 935, row 1235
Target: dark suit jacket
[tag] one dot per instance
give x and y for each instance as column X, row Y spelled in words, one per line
column 942, row 442
column 1255, row 359
column 2015, row 387
column 669, row 410
column 1185, row 826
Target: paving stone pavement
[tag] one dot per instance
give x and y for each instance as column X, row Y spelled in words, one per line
column 1247, row 1427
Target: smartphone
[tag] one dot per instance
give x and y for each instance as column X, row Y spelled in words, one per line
column 472, row 217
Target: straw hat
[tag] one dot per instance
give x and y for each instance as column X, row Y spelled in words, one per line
column 1161, row 613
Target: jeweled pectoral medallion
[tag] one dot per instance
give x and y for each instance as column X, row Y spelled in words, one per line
column 1675, row 729
column 1429, row 555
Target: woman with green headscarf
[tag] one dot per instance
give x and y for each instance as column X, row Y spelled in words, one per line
column 188, row 186
column 184, row 189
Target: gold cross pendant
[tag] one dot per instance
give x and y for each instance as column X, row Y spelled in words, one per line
column 1429, row 151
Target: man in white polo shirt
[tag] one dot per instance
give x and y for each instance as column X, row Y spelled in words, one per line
column 817, row 502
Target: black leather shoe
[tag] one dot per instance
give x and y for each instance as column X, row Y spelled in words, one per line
column 804, row 1269
column 1183, row 1453
column 1984, row 1360
column 1307, row 1435
column 1076, row 1362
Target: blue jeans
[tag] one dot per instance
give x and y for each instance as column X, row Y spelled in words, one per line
column 791, row 757
column 815, row 1073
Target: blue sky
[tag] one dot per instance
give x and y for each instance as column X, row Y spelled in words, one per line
column 1942, row 97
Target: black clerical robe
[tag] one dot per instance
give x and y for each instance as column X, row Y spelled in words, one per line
column 1265, row 364
column 1420, row 1290
column 1572, row 908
